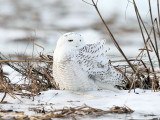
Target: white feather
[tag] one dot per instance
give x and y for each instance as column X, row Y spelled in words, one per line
column 80, row 66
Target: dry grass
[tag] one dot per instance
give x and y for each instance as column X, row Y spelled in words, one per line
column 38, row 72
column 67, row 112
column 138, row 73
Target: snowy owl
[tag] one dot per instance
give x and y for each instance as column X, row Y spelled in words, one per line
column 82, row 67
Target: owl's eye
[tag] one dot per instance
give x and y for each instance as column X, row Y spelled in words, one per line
column 70, row 40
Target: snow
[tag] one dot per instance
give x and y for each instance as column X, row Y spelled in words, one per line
column 143, row 102
column 48, row 20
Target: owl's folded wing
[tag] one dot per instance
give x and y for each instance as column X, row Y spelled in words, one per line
column 92, row 58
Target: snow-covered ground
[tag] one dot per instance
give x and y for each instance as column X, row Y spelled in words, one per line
column 145, row 103
column 45, row 21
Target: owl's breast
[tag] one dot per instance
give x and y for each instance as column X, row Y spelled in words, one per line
column 70, row 76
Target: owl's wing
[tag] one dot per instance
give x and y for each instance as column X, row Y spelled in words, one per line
column 93, row 59
column 93, row 56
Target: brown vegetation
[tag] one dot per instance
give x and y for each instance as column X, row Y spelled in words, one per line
column 38, row 72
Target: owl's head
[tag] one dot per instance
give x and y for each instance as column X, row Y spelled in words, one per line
column 72, row 40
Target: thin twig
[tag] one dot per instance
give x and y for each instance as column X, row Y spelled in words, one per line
column 87, row 3
column 154, row 33
column 1, row 82
column 158, row 13
column 137, row 13
column 96, row 2
column 35, row 60
column 148, row 34
column 52, row 81
column 5, row 93
column 149, row 57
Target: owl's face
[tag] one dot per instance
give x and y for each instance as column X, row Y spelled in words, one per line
column 72, row 40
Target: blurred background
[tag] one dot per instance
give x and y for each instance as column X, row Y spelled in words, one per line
column 34, row 26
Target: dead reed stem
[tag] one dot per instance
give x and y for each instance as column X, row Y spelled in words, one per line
column 155, row 25
column 112, row 37
column 36, row 60
column 51, row 80
column 5, row 93
column 1, row 82
column 154, row 33
column 137, row 13
column 5, row 88
column 158, row 13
